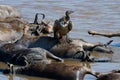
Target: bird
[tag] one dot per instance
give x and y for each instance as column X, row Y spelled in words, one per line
column 63, row 26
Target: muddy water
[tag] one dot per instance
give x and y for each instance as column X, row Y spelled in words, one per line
column 100, row 15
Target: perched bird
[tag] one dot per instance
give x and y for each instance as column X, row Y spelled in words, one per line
column 63, row 26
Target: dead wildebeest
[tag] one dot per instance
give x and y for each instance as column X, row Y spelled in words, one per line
column 18, row 35
column 40, row 27
column 77, row 48
column 112, row 75
column 74, row 49
column 61, row 71
column 12, row 26
column 12, row 29
column 7, row 11
column 57, row 71
column 61, row 50
column 63, row 26
column 29, row 55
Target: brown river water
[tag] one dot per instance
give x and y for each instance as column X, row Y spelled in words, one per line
column 100, row 15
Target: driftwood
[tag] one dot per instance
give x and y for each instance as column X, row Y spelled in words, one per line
column 109, row 35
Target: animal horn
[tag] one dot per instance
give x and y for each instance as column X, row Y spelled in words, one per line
column 36, row 17
column 108, row 43
column 43, row 15
column 43, row 21
column 11, row 67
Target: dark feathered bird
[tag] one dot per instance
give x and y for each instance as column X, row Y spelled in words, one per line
column 63, row 26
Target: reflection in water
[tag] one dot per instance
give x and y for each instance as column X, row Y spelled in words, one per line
column 11, row 77
column 14, row 77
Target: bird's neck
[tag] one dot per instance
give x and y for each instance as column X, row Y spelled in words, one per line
column 67, row 17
